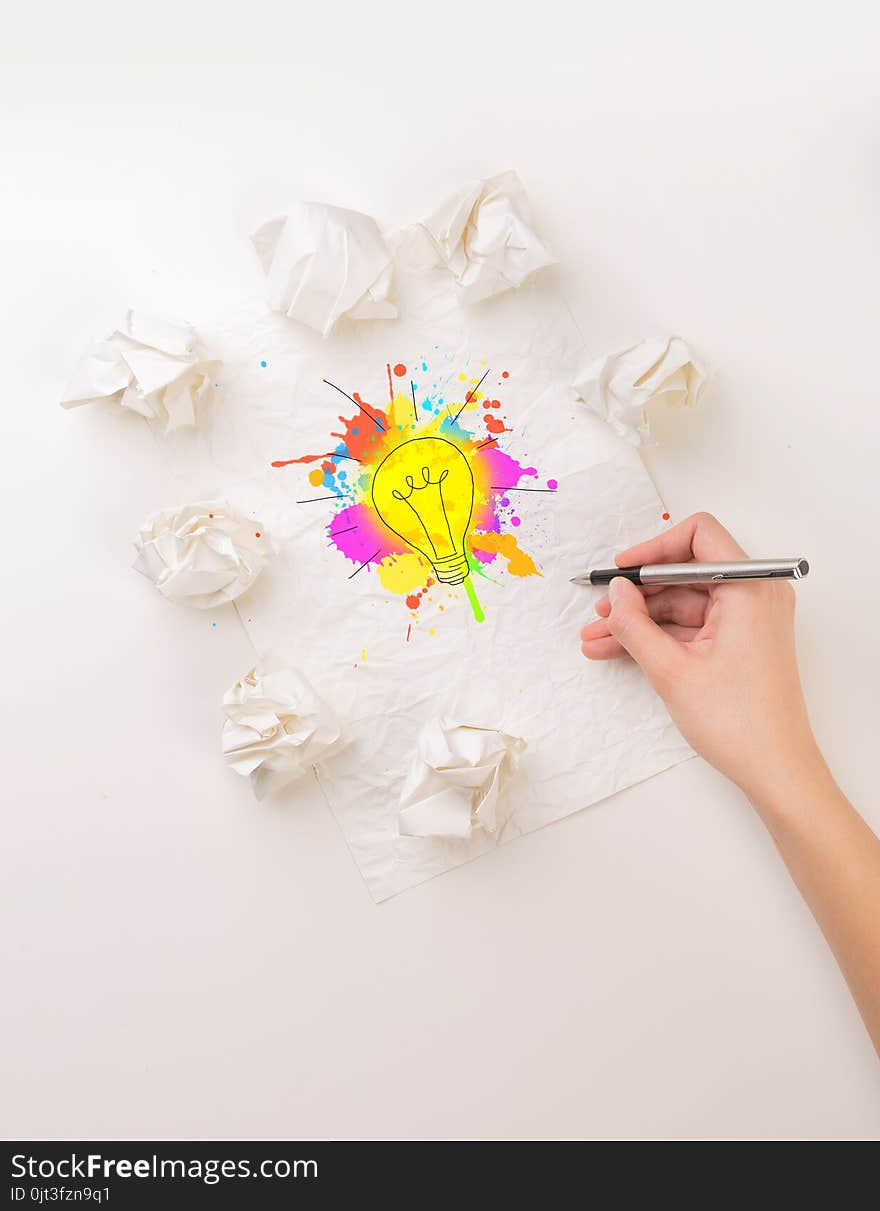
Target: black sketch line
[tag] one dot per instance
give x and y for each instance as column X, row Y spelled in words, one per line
column 355, row 402
column 336, row 533
column 468, row 396
column 415, row 410
column 504, row 488
column 311, row 499
column 364, row 564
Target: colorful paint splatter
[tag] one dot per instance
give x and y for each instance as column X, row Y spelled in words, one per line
column 420, row 488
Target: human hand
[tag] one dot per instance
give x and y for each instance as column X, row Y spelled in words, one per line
column 722, row 657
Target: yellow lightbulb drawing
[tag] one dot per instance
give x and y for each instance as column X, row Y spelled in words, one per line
column 424, row 492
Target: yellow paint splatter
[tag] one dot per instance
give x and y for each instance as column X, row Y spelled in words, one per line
column 505, row 545
column 316, row 477
column 402, row 573
column 364, row 655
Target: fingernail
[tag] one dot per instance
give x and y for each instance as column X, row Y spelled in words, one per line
column 615, row 589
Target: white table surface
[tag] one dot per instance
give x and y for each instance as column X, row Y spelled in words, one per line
column 182, row 962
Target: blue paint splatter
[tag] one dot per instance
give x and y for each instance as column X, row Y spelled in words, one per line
column 264, row 364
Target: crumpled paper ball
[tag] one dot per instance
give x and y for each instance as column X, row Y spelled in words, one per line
column 202, row 554
column 276, row 728
column 483, row 233
column 619, row 386
column 151, row 366
column 453, row 787
column 323, row 262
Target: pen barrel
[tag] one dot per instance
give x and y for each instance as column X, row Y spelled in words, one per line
column 714, row 573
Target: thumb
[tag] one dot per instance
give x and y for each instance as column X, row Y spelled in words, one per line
column 634, row 629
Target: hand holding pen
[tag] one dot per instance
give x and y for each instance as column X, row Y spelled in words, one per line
column 721, row 654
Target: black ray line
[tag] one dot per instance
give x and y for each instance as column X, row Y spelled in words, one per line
column 356, row 404
column 468, row 396
column 364, row 564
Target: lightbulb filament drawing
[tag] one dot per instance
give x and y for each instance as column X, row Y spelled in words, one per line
column 424, row 492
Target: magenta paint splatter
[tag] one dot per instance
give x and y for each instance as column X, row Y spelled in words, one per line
column 505, row 472
column 358, row 533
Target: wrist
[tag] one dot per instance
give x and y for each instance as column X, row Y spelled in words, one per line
column 787, row 792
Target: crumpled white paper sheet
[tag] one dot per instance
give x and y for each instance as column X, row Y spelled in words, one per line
column 618, row 387
column 151, row 366
column 590, row 729
column 323, row 262
column 483, row 234
column 202, row 554
column 276, row 728
column 454, row 784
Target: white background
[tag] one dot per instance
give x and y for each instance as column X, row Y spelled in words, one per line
column 181, row 962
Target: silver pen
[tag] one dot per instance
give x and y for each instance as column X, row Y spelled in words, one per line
column 700, row 573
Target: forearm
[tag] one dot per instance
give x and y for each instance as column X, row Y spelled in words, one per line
column 834, row 858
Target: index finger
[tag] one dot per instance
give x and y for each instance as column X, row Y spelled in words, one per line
column 700, row 536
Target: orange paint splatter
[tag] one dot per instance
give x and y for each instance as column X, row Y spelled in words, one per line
column 518, row 562
column 361, row 431
column 505, row 374
column 400, row 370
column 495, row 424
column 666, row 517
column 316, row 477
column 306, row 458
column 414, row 601
column 257, row 534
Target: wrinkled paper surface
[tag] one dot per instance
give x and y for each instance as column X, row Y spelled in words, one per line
column 618, row 387
column 150, row 366
column 589, row 729
column 201, row 555
column 455, row 783
column 323, row 262
column 275, row 729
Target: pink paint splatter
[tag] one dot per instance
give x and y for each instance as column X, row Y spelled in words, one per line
column 358, row 533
